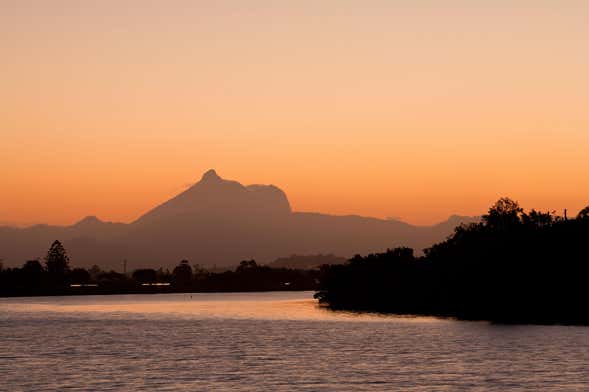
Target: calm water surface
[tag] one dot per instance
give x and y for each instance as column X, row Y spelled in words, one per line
column 271, row 342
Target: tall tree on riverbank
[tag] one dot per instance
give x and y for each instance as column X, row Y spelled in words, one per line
column 57, row 260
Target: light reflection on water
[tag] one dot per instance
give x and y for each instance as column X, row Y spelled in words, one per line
column 271, row 341
column 267, row 306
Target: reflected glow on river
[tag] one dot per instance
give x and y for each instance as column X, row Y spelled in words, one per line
column 271, row 341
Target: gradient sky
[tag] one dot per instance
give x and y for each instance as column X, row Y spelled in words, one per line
column 411, row 109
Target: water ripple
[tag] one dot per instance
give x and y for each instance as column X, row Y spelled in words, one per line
column 271, row 341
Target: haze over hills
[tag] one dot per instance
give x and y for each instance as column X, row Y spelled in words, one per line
column 218, row 222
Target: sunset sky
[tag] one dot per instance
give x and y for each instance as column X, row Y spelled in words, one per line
column 409, row 109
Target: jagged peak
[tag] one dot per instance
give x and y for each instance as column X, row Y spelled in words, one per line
column 210, row 175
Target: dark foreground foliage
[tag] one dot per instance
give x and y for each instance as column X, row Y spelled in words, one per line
column 512, row 267
column 55, row 277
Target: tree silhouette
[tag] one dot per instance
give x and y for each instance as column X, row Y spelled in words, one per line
column 145, row 275
column 182, row 274
column 537, row 219
column 505, row 213
column 94, row 271
column 246, row 265
column 57, row 261
column 33, row 267
column 511, row 267
column 583, row 214
column 200, row 273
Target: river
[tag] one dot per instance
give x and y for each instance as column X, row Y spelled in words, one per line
column 280, row 341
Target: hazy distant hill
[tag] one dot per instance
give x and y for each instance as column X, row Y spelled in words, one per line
column 218, row 222
column 306, row 261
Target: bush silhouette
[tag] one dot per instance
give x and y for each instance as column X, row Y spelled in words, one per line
column 513, row 266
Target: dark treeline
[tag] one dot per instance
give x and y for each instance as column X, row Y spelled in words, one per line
column 54, row 276
column 511, row 267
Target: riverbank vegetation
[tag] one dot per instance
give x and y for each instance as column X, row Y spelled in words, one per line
column 54, row 276
column 513, row 266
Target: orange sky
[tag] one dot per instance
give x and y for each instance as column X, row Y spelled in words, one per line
column 410, row 109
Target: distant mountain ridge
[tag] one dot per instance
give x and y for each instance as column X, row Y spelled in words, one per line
column 218, row 222
column 306, row 261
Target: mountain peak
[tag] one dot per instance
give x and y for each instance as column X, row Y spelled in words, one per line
column 210, row 175
column 87, row 221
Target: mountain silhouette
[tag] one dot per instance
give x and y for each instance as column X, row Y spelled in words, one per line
column 218, row 222
column 213, row 195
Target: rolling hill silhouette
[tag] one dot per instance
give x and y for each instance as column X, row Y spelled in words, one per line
column 218, row 222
